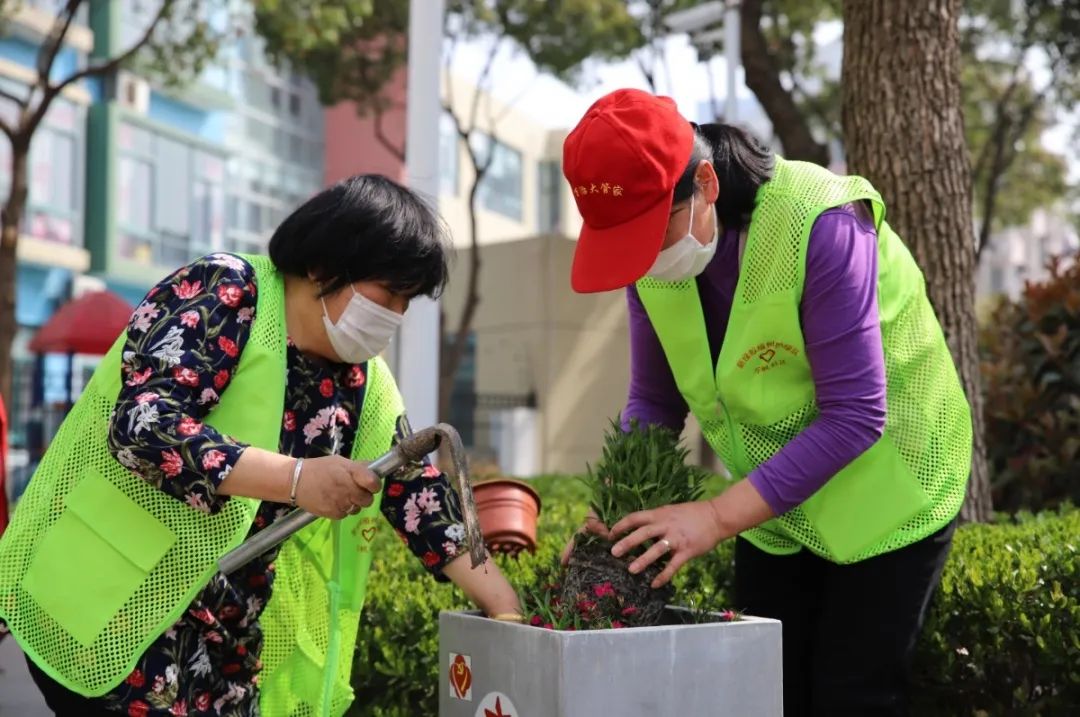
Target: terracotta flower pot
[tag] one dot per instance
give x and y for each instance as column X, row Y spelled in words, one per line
column 508, row 510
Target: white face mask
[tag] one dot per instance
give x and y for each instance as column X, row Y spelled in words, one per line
column 686, row 258
column 364, row 329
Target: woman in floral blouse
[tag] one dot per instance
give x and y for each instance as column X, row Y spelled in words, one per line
column 365, row 237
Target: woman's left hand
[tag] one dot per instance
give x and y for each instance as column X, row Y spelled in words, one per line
column 685, row 530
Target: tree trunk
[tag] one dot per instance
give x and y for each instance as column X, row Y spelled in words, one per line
column 9, row 239
column 903, row 129
column 763, row 79
column 451, row 355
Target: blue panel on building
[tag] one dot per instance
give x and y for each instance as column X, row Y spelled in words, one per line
column 18, row 50
column 38, row 291
column 131, row 294
column 178, row 115
column 65, row 65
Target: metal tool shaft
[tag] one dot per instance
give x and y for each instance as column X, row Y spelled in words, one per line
column 410, row 450
column 267, row 539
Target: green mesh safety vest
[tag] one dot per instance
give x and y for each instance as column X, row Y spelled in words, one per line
column 97, row 563
column 760, row 394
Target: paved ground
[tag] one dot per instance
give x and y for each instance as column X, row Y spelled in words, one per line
column 18, row 695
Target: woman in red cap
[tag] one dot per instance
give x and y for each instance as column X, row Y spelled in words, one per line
column 772, row 300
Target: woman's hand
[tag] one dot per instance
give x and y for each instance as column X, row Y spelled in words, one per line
column 335, row 487
column 592, row 525
column 685, row 530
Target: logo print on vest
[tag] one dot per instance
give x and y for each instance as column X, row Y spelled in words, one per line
column 766, row 352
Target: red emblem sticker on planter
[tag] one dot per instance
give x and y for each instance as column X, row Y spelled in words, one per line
column 461, row 677
column 496, row 704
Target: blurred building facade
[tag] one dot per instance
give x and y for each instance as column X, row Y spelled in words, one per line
column 130, row 179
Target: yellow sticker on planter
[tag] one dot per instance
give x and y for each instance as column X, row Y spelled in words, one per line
column 460, row 677
column 496, row 704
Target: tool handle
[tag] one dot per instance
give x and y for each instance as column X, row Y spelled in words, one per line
column 265, row 540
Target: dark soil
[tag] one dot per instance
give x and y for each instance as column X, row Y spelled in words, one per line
column 592, row 564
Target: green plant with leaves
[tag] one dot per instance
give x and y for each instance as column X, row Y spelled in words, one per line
column 639, row 469
column 1031, row 366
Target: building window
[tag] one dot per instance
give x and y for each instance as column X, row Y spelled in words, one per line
column 448, row 155
column 54, row 172
column 172, row 198
column 549, row 200
column 500, row 190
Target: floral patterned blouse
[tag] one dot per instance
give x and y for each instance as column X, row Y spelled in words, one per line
column 184, row 343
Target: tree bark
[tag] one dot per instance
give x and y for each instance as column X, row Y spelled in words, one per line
column 763, row 79
column 13, row 211
column 904, row 131
column 452, row 354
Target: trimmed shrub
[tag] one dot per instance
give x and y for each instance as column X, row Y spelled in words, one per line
column 1002, row 637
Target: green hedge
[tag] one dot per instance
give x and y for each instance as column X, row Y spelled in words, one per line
column 1003, row 637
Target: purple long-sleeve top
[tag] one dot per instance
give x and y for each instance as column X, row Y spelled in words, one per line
column 839, row 316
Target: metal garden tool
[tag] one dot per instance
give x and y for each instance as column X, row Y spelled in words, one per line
column 409, row 452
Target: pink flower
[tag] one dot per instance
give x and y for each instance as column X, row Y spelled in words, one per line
column 629, row 610
column 203, row 615
column 341, row 416
column 188, row 426
column 186, row 376
column 615, row 624
column 536, row 621
column 412, row 515
column 171, row 463
column 187, row 290
column 202, row 702
column 146, row 397
column 548, row 626
column 603, row 590
column 290, row 421
column 228, row 346
column 356, row 377
column 430, row 471
column 179, row 709
column 138, row 378
column 190, row 319
column 230, row 295
column 585, row 606
column 729, row 615
column 212, row 459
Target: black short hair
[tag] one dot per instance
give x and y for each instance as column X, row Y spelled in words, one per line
column 365, row 228
column 742, row 162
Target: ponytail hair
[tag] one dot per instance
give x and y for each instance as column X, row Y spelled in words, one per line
column 742, row 162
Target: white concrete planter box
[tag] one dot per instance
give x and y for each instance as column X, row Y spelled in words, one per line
column 723, row 669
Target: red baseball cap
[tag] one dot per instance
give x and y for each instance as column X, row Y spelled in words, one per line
column 622, row 162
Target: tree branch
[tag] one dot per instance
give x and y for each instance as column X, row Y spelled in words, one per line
column 51, row 47
column 113, row 64
column 8, row 95
column 648, row 74
column 481, row 83
column 763, row 79
column 384, row 140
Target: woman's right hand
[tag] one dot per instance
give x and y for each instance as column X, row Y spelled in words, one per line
column 592, row 525
column 335, row 487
